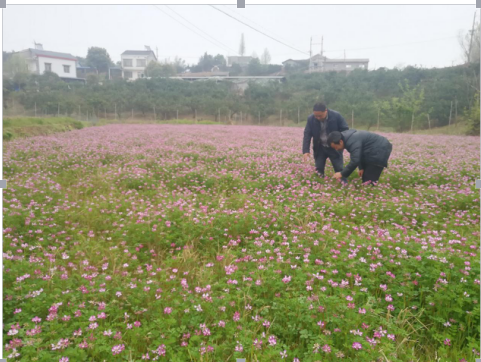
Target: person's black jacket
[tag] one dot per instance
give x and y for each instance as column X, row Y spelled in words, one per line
column 335, row 122
column 365, row 148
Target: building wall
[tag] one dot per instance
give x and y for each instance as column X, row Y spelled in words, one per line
column 341, row 66
column 136, row 70
column 57, row 66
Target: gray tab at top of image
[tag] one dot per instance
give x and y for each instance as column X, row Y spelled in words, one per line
column 3, row 5
column 478, row 6
column 241, row 360
column 242, row 4
column 478, row 186
column 3, row 185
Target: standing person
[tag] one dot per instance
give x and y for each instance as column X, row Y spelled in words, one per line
column 370, row 152
column 319, row 125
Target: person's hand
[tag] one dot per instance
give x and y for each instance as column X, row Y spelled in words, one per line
column 337, row 175
column 306, row 157
column 361, row 172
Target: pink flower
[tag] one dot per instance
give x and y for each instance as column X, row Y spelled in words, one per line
column 447, row 342
column 137, row 323
column 286, row 279
column 63, row 359
column 326, row 348
column 357, row 345
column 167, row 310
column 117, row 349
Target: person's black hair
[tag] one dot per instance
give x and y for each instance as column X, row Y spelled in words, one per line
column 319, row 106
column 334, row 137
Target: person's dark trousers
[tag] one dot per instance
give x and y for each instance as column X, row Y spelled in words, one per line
column 372, row 173
column 336, row 158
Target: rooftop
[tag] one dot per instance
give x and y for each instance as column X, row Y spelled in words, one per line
column 47, row 53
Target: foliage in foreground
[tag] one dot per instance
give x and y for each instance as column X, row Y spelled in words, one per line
column 210, row 243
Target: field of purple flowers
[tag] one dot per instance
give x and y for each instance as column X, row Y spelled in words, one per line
column 211, row 243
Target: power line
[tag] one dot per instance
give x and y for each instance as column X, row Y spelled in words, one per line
column 225, row 46
column 252, row 21
column 240, row 21
column 170, row 16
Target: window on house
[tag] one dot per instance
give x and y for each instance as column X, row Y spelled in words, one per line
column 128, row 75
column 127, row 62
column 48, row 67
column 348, row 66
column 141, row 62
column 315, row 64
column 66, row 68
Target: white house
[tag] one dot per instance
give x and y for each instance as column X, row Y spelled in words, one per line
column 320, row 63
column 39, row 61
column 134, row 63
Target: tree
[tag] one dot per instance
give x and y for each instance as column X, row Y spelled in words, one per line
column 242, row 46
column 472, row 116
column 99, row 59
column 470, row 45
column 159, row 70
column 255, row 67
column 179, row 65
column 235, row 70
column 207, row 62
column 15, row 64
column 266, row 57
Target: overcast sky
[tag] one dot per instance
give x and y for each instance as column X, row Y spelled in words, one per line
column 387, row 35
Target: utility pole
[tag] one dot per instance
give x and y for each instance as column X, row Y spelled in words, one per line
column 455, row 110
column 378, row 113
column 259, row 115
column 35, row 109
column 280, row 118
column 115, row 110
column 450, row 113
column 298, row 115
column 352, row 118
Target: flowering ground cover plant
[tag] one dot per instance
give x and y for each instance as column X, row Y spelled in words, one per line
column 211, row 243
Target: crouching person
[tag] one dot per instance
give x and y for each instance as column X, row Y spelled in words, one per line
column 369, row 152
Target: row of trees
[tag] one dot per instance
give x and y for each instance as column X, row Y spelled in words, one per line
column 403, row 99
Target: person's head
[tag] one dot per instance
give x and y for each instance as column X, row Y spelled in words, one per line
column 335, row 141
column 320, row 111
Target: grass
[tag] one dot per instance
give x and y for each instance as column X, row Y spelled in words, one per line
column 459, row 129
column 27, row 127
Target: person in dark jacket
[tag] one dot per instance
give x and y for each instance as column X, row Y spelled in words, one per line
column 319, row 125
column 369, row 152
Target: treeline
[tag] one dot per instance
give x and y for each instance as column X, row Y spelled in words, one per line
column 403, row 99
